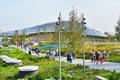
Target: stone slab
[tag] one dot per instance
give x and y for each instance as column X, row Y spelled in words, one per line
column 28, row 68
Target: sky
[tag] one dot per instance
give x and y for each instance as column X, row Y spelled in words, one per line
column 100, row 15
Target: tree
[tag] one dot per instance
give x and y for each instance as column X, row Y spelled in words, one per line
column 5, row 38
column 15, row 37
column 49, row 37
column 55, row 37
column 38, row 34
column 75, row 31
column 117, row 30
column 45, row 34
column 23, row 35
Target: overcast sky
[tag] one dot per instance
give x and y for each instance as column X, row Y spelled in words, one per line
column 101, row 15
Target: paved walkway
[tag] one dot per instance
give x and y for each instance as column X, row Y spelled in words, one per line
column 106, row 65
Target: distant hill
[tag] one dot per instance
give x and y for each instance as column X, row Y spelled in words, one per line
column 50, row 27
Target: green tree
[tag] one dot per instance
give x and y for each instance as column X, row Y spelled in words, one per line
column 117, row 30
column 15, row 37
column 75, row 31
column 38, row 34
column 45, row 34
column 23, row 35
column 49, row 37
column 5, row 38
column 55, row 37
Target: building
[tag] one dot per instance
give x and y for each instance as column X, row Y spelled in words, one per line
column 93, row 35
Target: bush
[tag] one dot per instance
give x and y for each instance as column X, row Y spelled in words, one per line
column 43, row 51
column 32, row 78
column 115, row 76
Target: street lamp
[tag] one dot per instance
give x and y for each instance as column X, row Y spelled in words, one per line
column 83, row 35
column 0, row 33
column 59, row 34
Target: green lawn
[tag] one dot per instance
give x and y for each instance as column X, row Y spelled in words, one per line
column 47, row 68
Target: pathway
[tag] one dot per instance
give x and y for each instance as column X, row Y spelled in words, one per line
column 106, row 65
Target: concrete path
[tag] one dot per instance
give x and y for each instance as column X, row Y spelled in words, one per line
column 106, row 65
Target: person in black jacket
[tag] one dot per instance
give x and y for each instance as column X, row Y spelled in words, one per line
column 37, row 51
column 96, row 57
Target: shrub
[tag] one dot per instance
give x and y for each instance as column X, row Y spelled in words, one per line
column 43, row 51
column 115, row 76
column 32, row 78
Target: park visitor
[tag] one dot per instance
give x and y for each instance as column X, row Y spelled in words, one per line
column 70, row 58
column 96, row 57
column 101, row 57
column 107, row 56
column 37, row 51
column 73, row 54
column 93, row 56
column 67, row 54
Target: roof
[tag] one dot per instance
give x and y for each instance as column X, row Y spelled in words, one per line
column 50, row 27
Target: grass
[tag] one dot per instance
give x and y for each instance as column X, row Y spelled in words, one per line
column 47, row 68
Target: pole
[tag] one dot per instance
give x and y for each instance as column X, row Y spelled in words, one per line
column 83, row 54
column 59, row 18
column 83, row 43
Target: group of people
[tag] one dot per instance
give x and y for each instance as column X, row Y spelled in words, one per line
column 96, row 57
column 52, row 53
column 99, row 56
column 33, row 50
column 70, row 56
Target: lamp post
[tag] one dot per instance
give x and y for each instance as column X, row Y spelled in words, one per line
column 1, row 36
column 0, row 33
column 83, row 35
column 16, row 35
column 59, row 34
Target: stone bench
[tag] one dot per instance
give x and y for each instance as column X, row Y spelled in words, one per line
column 27, row 70
column 10, row 61
column 3, row 56
column 100, row 78
column 13, row 62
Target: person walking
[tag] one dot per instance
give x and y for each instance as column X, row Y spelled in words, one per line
column 37, row 51
column 70, row 58
column 73, row 54
column 29, row 49
column 93, row 56
column 107, row 56
column 96, row 57
column 101, row 58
